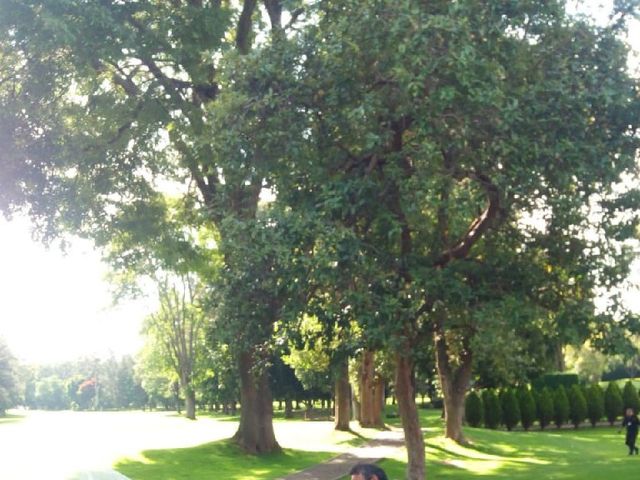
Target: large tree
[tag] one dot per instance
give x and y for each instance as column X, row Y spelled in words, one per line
column 444, row 139
column 107, row 106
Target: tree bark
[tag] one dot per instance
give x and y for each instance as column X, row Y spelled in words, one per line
column 255, row 433
column 189, row 402
column 343, row 397
column 288, row 408
column 454, row 383
column 414, row 441
column 370, row 404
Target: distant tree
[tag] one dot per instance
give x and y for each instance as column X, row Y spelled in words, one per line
column 51, row 394
column 86, row 393
column 527, row 407
column 577, row 406
column 613, row 403
column 8, row 379
column 510, row 409
column 473, row 409
column 595, row 403
column 177, row 330
column 560, row 406
column 630, row 397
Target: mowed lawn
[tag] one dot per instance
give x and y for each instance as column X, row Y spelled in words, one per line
column 586, row 453
column 554, row 454
column 305, row 443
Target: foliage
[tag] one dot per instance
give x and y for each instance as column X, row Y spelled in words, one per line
column 8, row 379
column 554, row 380
column 630, row 397
column 492, row 410
column 473, row 409
column 613, row 403
column 577, row 406
column 560, row 406
column 546, row 407
column 527, row 405
column 588, row 363
column 510, row 408
column 595, row 403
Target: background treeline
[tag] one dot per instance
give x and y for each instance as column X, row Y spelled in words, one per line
column 557, row 402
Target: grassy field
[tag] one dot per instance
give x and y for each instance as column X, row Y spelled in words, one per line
column 553, row 454
column 9, row 418
column 305, row 443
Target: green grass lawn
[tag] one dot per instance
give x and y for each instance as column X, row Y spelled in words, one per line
column 585, row 453
column 306, row 444
column 221, row 459
column 9, row 418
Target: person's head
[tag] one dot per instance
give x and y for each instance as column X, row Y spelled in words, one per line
column 629, row 412
column 366, row 471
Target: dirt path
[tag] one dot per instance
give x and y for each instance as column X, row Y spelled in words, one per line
column 384, row 445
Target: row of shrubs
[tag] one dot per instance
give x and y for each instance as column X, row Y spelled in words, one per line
column 547, row 406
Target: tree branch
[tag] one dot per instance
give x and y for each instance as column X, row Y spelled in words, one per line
column 243, row 32
column 479, row 226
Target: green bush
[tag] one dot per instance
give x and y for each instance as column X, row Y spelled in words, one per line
column 553, row 380
column 595, row 403
column 510, row 409
column 630, row 397
column 560, row 406
column 527, row 407
column 473, row 409
column 492, row 411
column 613, row 403
column 577, row 406
column 545, row 408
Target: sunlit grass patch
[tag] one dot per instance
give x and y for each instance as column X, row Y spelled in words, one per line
column 221, row 459
column 10, row 418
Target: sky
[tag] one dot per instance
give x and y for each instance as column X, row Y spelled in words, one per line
column 56, row 307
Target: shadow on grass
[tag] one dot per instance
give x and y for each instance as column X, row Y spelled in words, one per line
column 222, row 459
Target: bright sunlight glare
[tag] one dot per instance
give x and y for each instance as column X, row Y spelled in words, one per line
column 56, row 307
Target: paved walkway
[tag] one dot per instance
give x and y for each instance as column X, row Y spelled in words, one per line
column 384, row 445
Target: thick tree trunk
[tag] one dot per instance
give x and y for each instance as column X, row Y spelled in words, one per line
column 255, row 433
column 454, row 383
column 343, row 397
column 414, row 441
column 370, row 403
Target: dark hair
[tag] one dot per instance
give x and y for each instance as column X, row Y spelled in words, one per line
column 368, row 471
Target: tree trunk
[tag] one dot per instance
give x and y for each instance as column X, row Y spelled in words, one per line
column 454, row 383
column 343, row 397
column 370, row 404
column 288, row 408
column 255, row 433
column 414, row 441
column 190, row 402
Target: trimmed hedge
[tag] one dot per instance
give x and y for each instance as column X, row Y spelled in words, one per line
column 630, row 397
column 560, row 406
column 595, row 404
column 492, row 410
column 553, row 380
column 613, row 403
column 510, row 409
column 546, row 409
column 473, row 409
column 527, row 407
column 577, row 406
